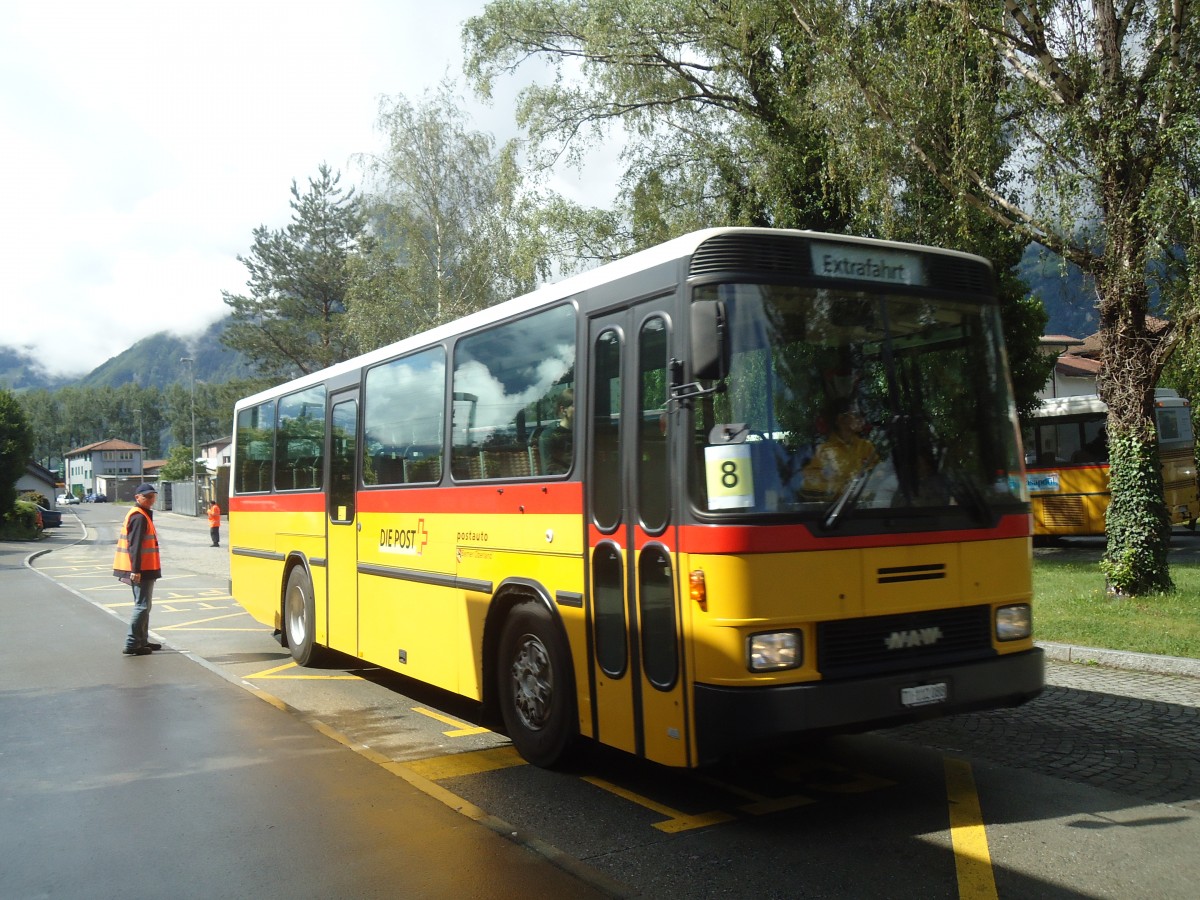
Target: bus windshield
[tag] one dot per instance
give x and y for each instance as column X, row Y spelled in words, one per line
column 843, row 405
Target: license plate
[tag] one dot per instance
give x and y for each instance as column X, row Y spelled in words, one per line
column 923, row 694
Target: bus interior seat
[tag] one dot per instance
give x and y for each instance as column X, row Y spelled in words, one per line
column 508, row 463
column 422, row 463
column 389, row 467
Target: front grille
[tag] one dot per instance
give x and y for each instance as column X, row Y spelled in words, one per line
column 881, row 644
column 953, row 273
column 758, row 254
column 1064, row 512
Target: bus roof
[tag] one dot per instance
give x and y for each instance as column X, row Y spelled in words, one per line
column 1055, row 407
column 546, row 294
column 1083, row 404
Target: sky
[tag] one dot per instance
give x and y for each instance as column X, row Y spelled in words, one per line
column 142, row 142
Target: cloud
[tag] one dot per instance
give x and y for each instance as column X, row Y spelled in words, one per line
column 145, row 141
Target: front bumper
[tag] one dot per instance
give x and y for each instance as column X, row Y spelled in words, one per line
column 728, row 718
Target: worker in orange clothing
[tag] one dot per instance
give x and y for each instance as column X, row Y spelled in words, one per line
column 137, row 563
column 214, row 523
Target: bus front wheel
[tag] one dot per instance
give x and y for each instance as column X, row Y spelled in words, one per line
column 535, row 686
column 299, row 616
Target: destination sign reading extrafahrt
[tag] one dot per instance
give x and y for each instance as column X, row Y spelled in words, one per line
column 842, row 261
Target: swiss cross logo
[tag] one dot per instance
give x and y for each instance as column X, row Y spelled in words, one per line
column 404, row 541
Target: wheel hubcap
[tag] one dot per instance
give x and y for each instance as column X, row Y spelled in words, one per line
column 295, row 612
column 533, row 684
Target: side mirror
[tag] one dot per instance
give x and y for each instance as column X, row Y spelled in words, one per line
column 709, row 348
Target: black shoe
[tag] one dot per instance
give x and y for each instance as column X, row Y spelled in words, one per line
column 153, row 646
column 137, row 651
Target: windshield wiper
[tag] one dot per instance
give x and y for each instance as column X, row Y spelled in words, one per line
column 846, row 499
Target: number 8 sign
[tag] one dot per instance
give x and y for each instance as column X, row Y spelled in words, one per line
column 729, row 476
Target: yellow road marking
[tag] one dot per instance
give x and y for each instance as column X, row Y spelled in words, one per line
column 439, row 768
column 182, row 625
column 271, row 673
column 267, row 673
column 760, row 804
column 462, row 729
column 676, row 821
column 968, row 834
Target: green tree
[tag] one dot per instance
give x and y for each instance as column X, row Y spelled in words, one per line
column 1071, row 123
column 727, row 113
column 1100, row 105
column 178, row 466
column 451, row 218
column 714, row 97
column 16, row 447
column 291, row 321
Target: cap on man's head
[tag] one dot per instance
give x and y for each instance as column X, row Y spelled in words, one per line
column 146, row 489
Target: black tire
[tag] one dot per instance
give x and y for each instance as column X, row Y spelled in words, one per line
column 299, row 618
column 536, row 688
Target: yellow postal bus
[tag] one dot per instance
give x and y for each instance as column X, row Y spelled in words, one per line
column 594, row 509
column 1067, row 463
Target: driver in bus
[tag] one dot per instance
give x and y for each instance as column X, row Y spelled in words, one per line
column 842, row 456
column 556, row 443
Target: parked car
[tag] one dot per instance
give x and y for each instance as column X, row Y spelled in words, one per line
column 51, row 518
column 95, row 498
column 67, row 499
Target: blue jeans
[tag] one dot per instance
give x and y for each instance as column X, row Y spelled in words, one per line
column 139, row 625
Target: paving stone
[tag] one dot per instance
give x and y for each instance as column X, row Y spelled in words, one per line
column 1130, row 731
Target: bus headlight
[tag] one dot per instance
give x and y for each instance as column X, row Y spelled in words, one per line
column 775, row 650
column 1014, row 623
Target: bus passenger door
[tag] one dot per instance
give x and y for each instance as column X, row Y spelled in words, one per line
column 341, row 558
column 637, row 669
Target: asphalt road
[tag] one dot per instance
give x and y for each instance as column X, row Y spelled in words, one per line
column 148, row 777
column 1092, row 790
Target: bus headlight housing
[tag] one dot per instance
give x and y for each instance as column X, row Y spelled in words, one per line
column 775, row 650
column 1014, row 623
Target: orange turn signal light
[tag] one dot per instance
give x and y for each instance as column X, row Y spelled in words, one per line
column 697, row 589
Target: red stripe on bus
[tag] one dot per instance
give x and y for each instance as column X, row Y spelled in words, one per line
column 1066, row 467
column 559, row 498
column 309, row 502
column 787, row 538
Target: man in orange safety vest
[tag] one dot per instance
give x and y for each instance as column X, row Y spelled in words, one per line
column 138, row 563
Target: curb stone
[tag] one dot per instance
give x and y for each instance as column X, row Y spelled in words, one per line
column 1122, row 659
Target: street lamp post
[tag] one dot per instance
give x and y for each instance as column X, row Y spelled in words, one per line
column 141, row 447
column 195, row 484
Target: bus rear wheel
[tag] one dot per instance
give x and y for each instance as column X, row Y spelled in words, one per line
column 299, row 617
column 536, row 693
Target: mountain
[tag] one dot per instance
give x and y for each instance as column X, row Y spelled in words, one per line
column 21, row 371
column 1069, row 297
column 155, row 360
column 152, row 360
